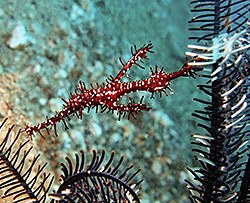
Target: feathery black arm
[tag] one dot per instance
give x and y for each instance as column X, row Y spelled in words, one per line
column 18, row 177
column 221, row 28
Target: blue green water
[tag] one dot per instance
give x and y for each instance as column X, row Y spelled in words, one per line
column 48, row 46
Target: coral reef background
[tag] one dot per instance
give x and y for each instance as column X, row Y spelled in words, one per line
column 48, row 46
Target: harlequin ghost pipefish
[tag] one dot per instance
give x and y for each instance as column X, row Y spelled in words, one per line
column 107, row 95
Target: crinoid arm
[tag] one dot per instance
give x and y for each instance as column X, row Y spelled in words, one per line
column 21, row 179
column 221, row 147
column 97, row 180
column 223, row 47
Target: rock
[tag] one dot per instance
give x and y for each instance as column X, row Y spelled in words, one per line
column 42, row 101
column 96, row 129
column 116, row 138
column 84, row 12
column 156, row 167
column 162, row 118
column 19, row 37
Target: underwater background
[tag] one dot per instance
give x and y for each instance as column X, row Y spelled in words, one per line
column 48, row 46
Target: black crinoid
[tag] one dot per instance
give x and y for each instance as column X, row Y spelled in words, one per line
column 23, row 179
column 19, row 177
column 97, row 182
column 220, row 31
